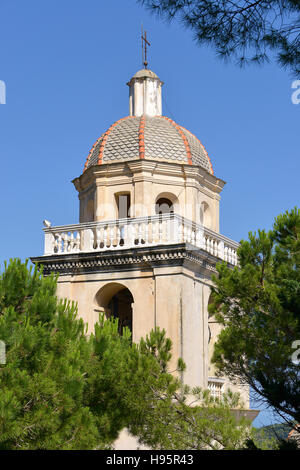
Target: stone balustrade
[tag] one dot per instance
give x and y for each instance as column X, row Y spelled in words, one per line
column 216, row 386
column 165, row 229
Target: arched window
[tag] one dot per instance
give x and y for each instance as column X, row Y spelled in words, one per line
column 164, row 206
column 205, row 215
column 167, row 203
column 116, row 300
column 120, row 307
column 123, row 204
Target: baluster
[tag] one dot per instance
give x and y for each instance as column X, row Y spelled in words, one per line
column 168, row 230
column 131, row 229
column 59, row 243
column 76, row 242
column 193, row 236
column 152, row 230
column 98, row 238
column 217, row 247
column 180, row 232
column 134, row 230
column 118, row 235
column 111, row 236
column 198, row 238
column 186, row 229
column 163, row 231
column 140, row 233
column 126, row 234
column 221, row 249
column 64, row 244
column 160, row 230
column 157, row 223
column 71, row 243
column 152, row 236
column 184, row 233
column 55, row 244
column 78, row 239
column 147, row 232
column 105, row 237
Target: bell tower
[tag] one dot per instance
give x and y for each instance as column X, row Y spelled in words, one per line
column 148, row 239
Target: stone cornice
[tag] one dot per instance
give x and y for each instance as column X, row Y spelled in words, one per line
column 142, row 169
column 182, row 254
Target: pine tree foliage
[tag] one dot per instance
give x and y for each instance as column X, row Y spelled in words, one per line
column 61, row 388
column 247, row 30
column 42, row 384
column 165, row 414
column 258, row 303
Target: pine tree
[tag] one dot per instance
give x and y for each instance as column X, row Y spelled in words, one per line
column 248, row 31
column 41, row 383
column 63, row 389
column 48, row 397
column 166, row 414
column 258, row 303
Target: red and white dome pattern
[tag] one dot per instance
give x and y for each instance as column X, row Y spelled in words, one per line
column 152, row 138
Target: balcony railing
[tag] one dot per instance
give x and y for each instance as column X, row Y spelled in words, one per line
column 165, row 229
column 216, row 386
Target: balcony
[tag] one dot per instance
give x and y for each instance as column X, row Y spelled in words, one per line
column 216, row 387
column 129, row 233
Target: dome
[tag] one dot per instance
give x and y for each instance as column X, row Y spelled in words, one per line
column 145, row 73
column 148, row 137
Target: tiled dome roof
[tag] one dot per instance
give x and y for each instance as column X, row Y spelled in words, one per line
column 153, row 138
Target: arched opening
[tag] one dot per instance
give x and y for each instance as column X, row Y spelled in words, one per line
column 120, row 307
column 205, row 215
column 166, row 203
column 116, row 300
column 123, row 204
column 164, row 206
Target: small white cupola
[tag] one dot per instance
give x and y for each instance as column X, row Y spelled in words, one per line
column 145, row 94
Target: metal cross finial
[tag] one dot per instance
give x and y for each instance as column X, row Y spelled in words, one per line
column 145, row 43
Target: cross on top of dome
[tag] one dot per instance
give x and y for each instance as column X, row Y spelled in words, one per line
column 145, row 43
column 146, row 133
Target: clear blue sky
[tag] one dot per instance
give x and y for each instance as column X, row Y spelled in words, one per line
column 66, row 63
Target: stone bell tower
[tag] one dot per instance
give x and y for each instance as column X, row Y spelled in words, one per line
column 148, row 236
